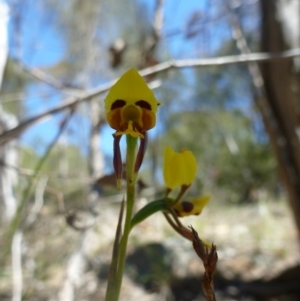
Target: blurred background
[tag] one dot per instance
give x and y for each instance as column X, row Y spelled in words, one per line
column 228, row 75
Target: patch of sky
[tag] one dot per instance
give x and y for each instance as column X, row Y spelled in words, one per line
column 250, row 19
column 40, row 44
column 39, row 98
column 37, row 101
column 40, row 135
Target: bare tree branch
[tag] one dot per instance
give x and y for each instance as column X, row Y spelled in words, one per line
column 221, row 61
column 45, row 77
column 188, row 63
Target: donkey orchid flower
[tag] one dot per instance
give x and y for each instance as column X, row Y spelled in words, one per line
column 180, row 170
column 131, row 106
column 131, row 110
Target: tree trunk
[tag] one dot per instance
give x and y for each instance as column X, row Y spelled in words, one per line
column 282, row 87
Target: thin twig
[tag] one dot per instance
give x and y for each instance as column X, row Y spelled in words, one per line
column 188, row 63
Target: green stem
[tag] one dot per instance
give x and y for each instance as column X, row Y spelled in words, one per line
column 130, row 160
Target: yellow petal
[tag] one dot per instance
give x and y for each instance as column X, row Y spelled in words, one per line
column 130, row 132
column 167, row 166
column 192, row 207
column 131, row 88
column 179, row 168
column 189, row 168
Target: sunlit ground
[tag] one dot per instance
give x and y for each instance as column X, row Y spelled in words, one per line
column 253, row 241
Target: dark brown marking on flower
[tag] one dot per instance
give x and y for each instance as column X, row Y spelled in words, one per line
column 187, row 206
column 143, row 104
column 119, row 103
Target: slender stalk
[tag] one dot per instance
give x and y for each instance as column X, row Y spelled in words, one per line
column 130, row 160
column 113, row 292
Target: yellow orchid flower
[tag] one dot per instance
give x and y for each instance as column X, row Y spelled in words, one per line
column 131, row 106
column 179, row 168
column 192, row 207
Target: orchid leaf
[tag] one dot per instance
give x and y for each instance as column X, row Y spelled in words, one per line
column 148, row 210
